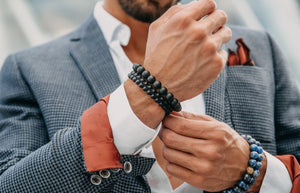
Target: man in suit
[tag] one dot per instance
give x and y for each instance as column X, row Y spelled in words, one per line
column 69, row 125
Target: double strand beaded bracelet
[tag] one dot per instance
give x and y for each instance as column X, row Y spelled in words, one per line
column 154, row 89
column 254, row 164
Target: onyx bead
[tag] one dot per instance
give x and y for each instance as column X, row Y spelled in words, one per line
column 135, row 66
column 169, row 97
column 140, row 69
column 177, row 107
column 163, row 91
column 174, row 102
column 151, row 79
column 146, row 74
column 157, row 84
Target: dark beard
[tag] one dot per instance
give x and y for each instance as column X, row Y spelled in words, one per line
column 147, row 11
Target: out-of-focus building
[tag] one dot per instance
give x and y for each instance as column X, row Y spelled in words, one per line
column 25, row 23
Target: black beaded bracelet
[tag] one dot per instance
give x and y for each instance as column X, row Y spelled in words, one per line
column 254, row 164
column 154, row 89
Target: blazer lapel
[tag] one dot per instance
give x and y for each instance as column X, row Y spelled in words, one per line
column 214, row 96
column 91, row 54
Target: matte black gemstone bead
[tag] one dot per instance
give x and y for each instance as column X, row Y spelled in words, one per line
column 174, row 102
column 135, row 66
column 169, row 97
column 177, row 107
column 140, row 69
column 151, row 79
column 163, row 91
column 146, row 74
column 157, row 84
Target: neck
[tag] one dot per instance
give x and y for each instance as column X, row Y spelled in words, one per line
column 136, row 47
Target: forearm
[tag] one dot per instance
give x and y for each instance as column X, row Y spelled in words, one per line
column 145, row 108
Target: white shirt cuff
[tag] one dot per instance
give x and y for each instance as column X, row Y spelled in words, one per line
column 277, row 178
column 130, row 134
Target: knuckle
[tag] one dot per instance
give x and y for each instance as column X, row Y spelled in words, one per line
column 211, row 4
column 222, row 15
column 227, row 32
column 175, row 8
column 211, row 46
column 165, row 153
column 182, row 19
column 198, row 32
column 167, row 138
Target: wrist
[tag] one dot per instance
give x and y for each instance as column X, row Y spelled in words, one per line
column 147, row 110
column 259, row 180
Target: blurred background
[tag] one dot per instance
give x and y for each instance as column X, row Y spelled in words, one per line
column 25, row 23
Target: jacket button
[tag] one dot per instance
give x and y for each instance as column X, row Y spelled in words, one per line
column 104, row 173
column 127, row 167
column 96, row 180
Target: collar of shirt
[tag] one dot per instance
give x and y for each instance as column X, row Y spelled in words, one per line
column 113, row 30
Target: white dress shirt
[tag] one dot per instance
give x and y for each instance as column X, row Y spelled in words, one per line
column 132, row 136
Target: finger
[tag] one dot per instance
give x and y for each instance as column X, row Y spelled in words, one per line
column 214, row 21
column 222, row 36
column 181, row 142
column 193, row 116
column 191, row 128
column 197, row 9
column 186, row 160
column 172, row 11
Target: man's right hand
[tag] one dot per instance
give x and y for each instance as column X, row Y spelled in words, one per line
column 183, row 48
column 183, row 53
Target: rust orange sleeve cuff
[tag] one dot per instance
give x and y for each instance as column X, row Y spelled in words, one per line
column 293, row 167
column 99, row 150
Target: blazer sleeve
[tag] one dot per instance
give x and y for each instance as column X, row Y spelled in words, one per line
column 286, row 106
column 293, row 168
column 30, row 161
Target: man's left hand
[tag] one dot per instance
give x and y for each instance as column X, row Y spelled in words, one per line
column 203, row 152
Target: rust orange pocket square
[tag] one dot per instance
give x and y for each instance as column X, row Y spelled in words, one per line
column 241, row 57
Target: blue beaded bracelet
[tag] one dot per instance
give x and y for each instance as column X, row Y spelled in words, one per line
column 254, row 164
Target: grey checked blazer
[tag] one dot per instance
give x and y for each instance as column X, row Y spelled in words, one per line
column 44, row 91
